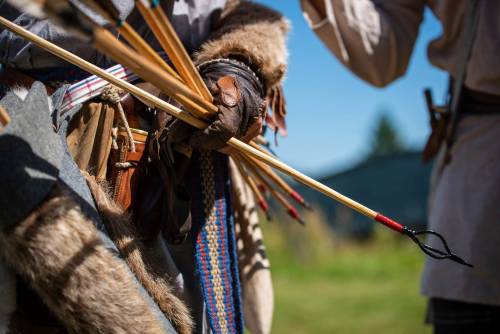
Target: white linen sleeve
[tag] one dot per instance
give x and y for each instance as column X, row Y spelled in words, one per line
column 373, row 38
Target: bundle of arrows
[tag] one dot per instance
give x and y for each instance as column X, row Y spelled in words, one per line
column 184, row 84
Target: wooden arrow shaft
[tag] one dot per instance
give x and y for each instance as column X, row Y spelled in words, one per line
column 302, row 178
column 253, row 186
column 292, row 211
column 150, row 72
column 140, row 45
column 186, row 117
column 278, row 180
column 4, row 117
column 180, row 57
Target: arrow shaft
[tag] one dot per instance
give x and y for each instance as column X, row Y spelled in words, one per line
column 186, row 117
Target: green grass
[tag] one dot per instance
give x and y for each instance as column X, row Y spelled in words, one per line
column 326, row 285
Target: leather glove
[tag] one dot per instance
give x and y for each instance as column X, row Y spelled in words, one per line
column 239, row 96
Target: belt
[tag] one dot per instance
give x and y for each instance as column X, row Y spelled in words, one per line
column 475, row 102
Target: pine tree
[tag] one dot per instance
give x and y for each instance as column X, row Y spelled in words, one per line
column 385, row 138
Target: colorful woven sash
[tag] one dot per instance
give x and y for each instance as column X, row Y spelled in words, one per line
column 216, row 257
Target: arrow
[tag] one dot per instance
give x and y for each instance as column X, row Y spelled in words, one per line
column 233, row 142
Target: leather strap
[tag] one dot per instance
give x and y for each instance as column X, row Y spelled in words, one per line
column 470, row 28
column 123, row 166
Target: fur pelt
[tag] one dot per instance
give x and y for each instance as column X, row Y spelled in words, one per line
column 139, row 258
column 253, row 33
column 22, row 93
column 59, row 252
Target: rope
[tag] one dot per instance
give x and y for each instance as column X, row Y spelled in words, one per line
column 112, row 94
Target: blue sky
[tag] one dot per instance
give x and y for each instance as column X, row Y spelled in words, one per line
column 331, row 112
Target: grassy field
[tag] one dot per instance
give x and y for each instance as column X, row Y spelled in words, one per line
column 326, row 285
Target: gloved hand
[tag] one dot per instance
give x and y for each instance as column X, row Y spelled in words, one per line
column 239, row 96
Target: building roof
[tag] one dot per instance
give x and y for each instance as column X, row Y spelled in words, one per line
column 395, row 185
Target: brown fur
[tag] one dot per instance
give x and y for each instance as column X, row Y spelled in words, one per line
column 125, row 237
column 59, row 253
column 252, row 32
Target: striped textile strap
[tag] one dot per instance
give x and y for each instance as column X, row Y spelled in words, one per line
column 216, row 258
column 92, row 86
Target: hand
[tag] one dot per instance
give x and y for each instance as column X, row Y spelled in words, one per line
column 239, row 98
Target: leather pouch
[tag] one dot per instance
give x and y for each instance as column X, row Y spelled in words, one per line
column 124, row 166
column 436, row 138
column 439, row 121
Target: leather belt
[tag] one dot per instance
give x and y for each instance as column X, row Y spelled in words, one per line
column 474, row 102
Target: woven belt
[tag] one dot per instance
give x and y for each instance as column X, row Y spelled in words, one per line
column 216, row 257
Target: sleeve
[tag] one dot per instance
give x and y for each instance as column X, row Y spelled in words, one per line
column 373, row 38
column 251, row 33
